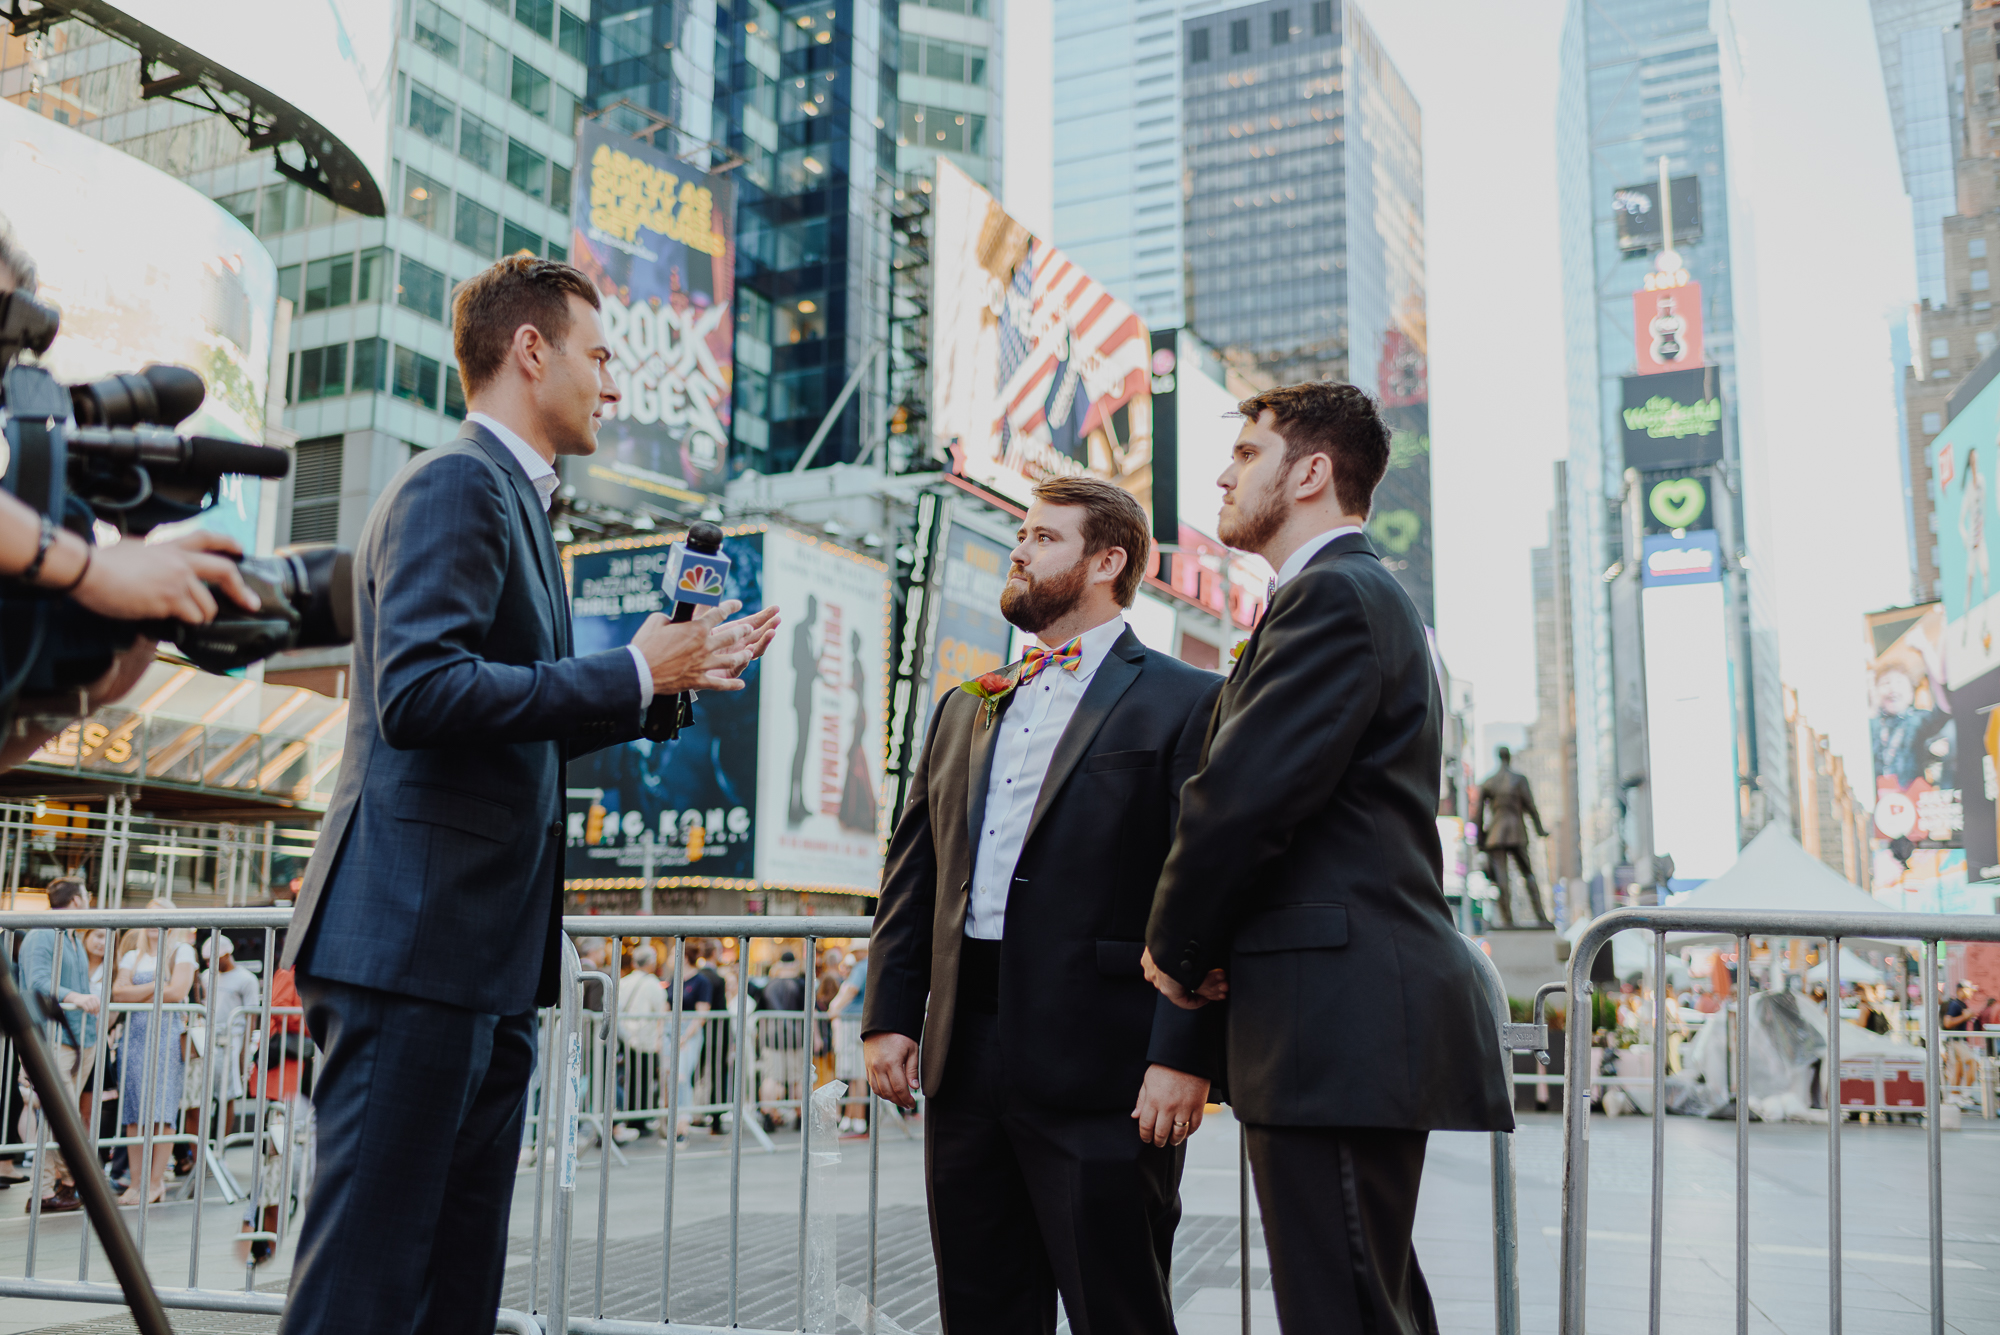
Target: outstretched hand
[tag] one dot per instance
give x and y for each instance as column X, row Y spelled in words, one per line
column 707, row 653
column 1214, row 987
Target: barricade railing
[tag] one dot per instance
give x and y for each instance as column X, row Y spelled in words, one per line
column 600, row 1068
column 1926, row 930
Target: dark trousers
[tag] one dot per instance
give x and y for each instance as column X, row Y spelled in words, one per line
column 418, row 1108
column 1028, row 1200
column 1338, row 1204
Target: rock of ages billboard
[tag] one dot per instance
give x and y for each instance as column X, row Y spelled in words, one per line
column 657, row 237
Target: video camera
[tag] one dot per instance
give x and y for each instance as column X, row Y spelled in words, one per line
column 108, row 451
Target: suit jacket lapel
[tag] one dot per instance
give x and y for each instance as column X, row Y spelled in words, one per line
column 547, row 562
column 1115, row 676
column 979, row 761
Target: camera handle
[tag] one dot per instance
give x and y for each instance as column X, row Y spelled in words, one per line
column 91, row 1185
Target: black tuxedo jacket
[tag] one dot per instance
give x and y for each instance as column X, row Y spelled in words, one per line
column 1077, row 1017
column 1307, row 864
column 438, row 872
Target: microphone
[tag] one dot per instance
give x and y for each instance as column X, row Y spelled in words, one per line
column 697, row 574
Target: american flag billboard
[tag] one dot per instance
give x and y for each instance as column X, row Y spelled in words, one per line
column 1036, row 369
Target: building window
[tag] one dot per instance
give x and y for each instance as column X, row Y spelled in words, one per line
column 527, row 170
column 322, row 373
column 1984, row 340
column 529, row 89
column 1198, row 45
column 421, row 289
column 951, row 61
column 288, row 284
column 560, row 254
column 516, row 239
column 799, row 320
column 416, row 376
column 1322, row 18
column 1940, row 349
column 1281, row 26
column 373, row 272
column 284, row 209
column 371, row 364
column 1933, row 423
column 481, row 145
column 536, row 15
column 559, row 186
column 976, row 8
column 430, row 115
column 624, row 36
column 329, row 283
column 454, row 390
column 488, row 64
column 1239, row 36
column 477, row 228
column 241, row 206
column 426, row 202
column 316, row 489
column 436, row 31
column 940, row 128
column 571, row 34
column 1980, row 281
column 1976, row 248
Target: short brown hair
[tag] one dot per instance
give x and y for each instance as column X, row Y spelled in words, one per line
column 1112, row 517
column 1339, row 421
column 495, row 302
column 65, row 890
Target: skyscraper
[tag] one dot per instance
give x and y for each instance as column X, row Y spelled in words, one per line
column 1923, row 69
column 798, row 104
column 1646, row 89
column 1303, row 226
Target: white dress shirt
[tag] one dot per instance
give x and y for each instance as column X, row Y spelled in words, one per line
column 542, row 477
column 1307, row 551
column 1029, row 731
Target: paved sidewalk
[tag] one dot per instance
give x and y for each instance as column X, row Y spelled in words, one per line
column 1886, row 1287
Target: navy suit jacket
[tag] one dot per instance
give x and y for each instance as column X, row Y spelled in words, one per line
column 439, row 865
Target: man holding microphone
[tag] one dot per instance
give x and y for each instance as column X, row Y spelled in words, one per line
column 428, row 928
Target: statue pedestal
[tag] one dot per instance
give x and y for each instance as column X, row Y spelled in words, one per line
column 1526, row 957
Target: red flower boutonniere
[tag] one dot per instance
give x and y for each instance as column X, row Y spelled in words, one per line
column 1236, row 654
column 991, row 688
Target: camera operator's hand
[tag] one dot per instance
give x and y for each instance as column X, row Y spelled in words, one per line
column 706, row 653
column 134, row 581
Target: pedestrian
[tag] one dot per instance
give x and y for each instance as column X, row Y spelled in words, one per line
column 1306, row 880
column 779, row 1037
column 701, row 993
column 642, row 1009
column 1004, row 980
column 428, row 925
column 845, row 1012
column 1960, row 1011
column 55, row 971
column 236, row 996
column 151, row 1079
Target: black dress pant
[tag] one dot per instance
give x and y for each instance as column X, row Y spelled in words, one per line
column 1338, row 1204
column 419, row 1111
column 1028, row 1200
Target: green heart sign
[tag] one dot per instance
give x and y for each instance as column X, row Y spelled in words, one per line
column 1678, row 501
column 1398, row 530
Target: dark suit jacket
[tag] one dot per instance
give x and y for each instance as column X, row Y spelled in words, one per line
column 438, row 870
column 1307, row 864
column 1077, row 1018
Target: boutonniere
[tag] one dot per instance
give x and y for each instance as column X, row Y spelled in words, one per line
column 1236, row 654
column 991, row 688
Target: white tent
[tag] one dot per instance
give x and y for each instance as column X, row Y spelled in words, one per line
column 1853, row 969
column 1774, row 873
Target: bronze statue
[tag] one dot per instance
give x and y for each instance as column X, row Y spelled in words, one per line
column 1501, row 811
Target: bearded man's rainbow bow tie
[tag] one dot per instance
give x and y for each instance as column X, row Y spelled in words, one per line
column 1067, row 658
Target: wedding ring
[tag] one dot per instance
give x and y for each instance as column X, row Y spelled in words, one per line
column 1180, row 1123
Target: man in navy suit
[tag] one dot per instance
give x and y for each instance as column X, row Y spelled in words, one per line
column 428, row 928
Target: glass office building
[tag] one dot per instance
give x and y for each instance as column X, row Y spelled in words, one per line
column 796, row 103
column 1643, row 80
column 1923, row 69
column 1303, row 226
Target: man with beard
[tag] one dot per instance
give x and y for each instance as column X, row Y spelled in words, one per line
column 1060, row 1087
column 1305, row 881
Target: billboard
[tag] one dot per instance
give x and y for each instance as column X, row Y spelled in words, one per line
column 1912, row 734
column 191, row 287
column 972, row 637
column 821, row 717
column 1673, row 419
column 1036, row 370
column 329, row 60
column 696, row 796
column 1690, row 710
column 1400, row 523
column 1675, row 502
column 1976, row 704
column 1666, row 328
column 1635, row 209
column 658, row 238
column 1963, row 462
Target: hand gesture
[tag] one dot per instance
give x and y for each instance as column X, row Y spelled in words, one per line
column 707, row 653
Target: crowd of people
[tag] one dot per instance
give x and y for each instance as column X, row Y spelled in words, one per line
column 138, row 1057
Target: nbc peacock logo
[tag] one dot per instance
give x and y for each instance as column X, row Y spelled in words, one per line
column 700, row 579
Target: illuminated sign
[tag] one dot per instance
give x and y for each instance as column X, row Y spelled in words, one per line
column 1693, row 559
column 1666, row 327
column 1636, row 210
column 1673, row 419
column 1675, row 503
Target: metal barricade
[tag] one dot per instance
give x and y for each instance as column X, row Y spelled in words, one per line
column 599, row 1070
column 1741, row 926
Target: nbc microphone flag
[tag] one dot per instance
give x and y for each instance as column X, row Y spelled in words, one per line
column 694, row 577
